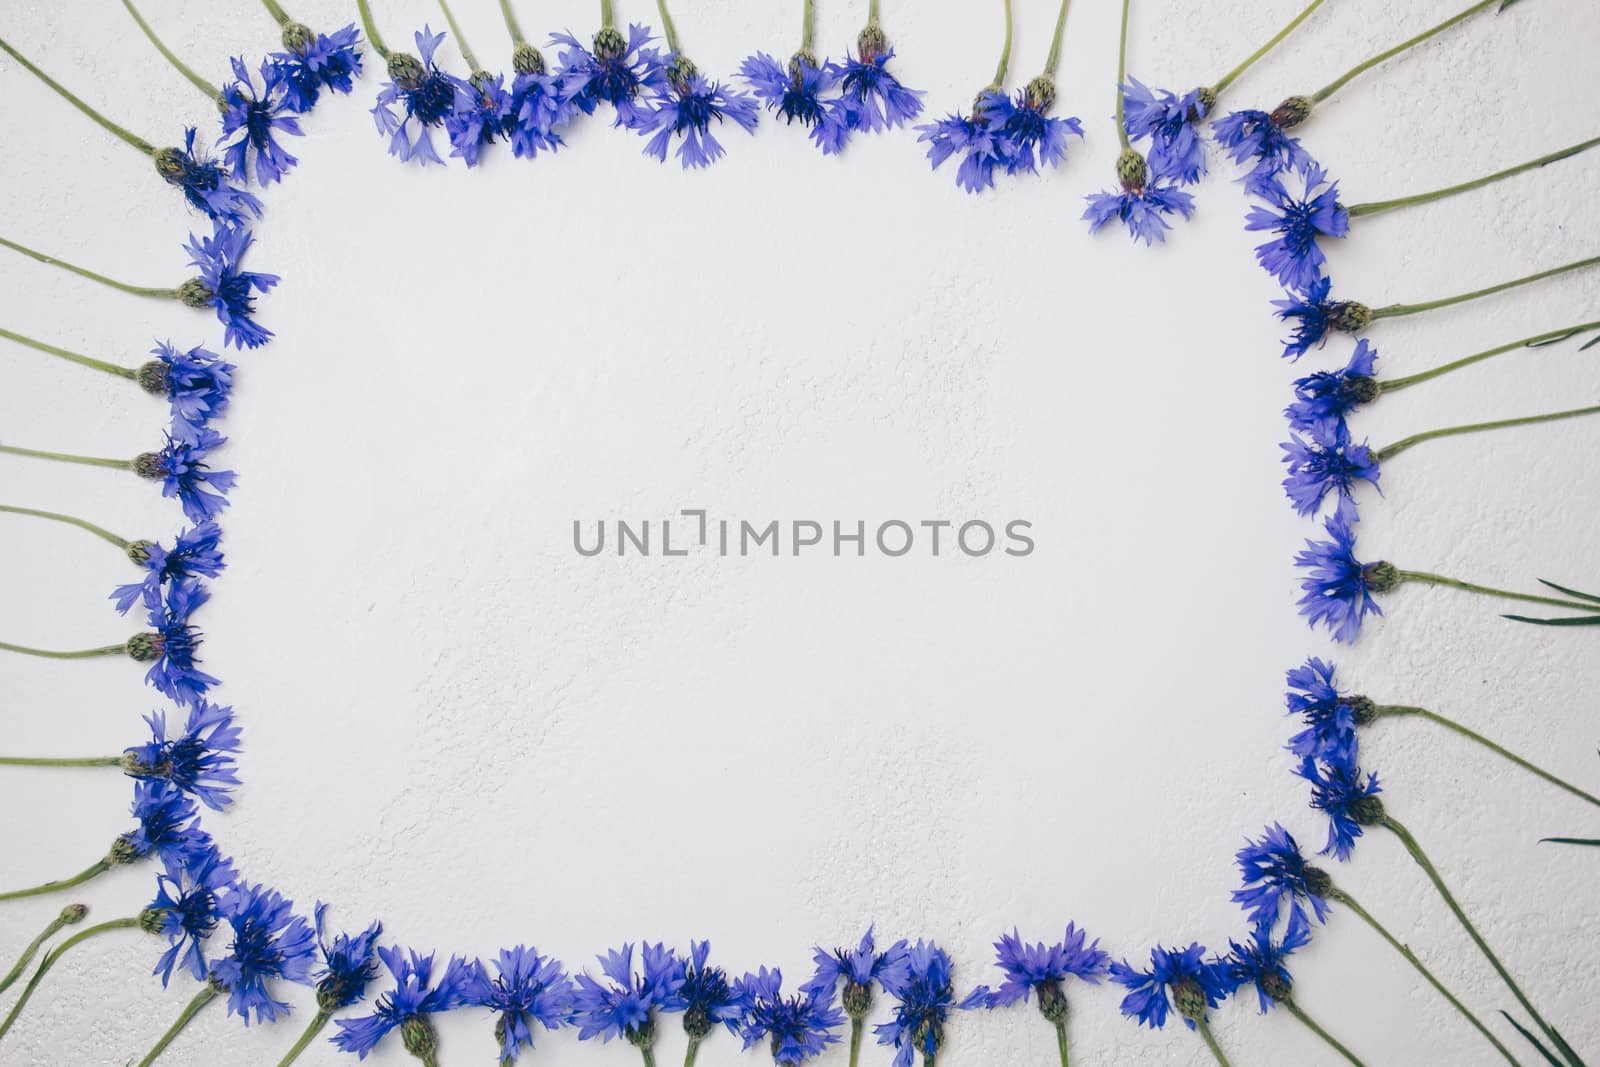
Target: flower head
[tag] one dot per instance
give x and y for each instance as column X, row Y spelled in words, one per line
column 1041, row 968
column 1032, row 135
column 1294, row 257
column 871, row 99
column 528, row 988
column 1176, row 978
column 1331, row 718
column 184, row 473
column 205, row 183
column 857, row 969
column 408, row 1005
column 1143, row 204
column 541, row 103
column 1275, row 872
column 184, row 910
column 249, row 122
column 686, row 108
column 1260, row 960
column 1172, row 123
column 314, row 62
column 1318, row 467
column 196, row 384
column 193, row 553
column 796, row 1028
column 924, row 995
column 620, row 71
column 347, row 964
column 1258, row 138
column 1338, row 587
column 1324, row 398
column 167, row 830
column 981, row 141
column 416, row 99
column 198, row 762
column 707, row 999
column 270, row 942
column 624, row 1005
column 1349, row 800
column 794, row 89
column 172, row 645
column 482, row 115
column 225, row 286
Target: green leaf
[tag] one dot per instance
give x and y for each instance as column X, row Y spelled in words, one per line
column 1592, row 842
column 1569, row 335
column 1571, row 592
column 1549, row 1058
column 1576, row 620
column 1589, row 344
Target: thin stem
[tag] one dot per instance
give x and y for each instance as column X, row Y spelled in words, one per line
column 855, row 1041
column 1396, row 310
column 47, row 653
column 1054, row 59
column 86, row 361
column 1391, row 384
column 277, row 12
column 808, row 25
column 669, row 29
column 50, row 959
column 1277, row 39
column 1361, row 68
column 1410, row 842
column 209, row 88
column 1454, row 431
column 56, row 516
column 1211, row 1042
column 44, row 761
column 1005, row 52
column 1061, row 1043
column 872, row 11
column 649, row 1056
column 66, row 457
column 1398, row 711
column 101, row 867
column 136, row 141
column 371, row 30
column 691, row 1052
column 318, row 1022
column 50, row 930
column 511, row 22
column 1348, row 901
column 1122, row 78
column 207, row 994
column 608, row 15
column 1294, row 1009
column 1376, row 206
column 455, row 31
column 136, row 290
column 1529, row 598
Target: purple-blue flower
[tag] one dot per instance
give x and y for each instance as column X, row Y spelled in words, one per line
column 794, row 89
column 185, row 909
column 196, row 384
column 1181, row 978
column 171, row 647
column 313, row 62
column 1346, row 797
column 981, row 142
column 1274, row 872
column 347, row 964
column 225, row 286
column 796, row 1028
column 620, row 71
column 167, row 830
column 924, row 995
column 425, row 96
column 527, row 988
column 1256, row 138
column 408, row 1005
column 193, row 553
column 1323, row 399
column 184, row 473
column 1041, row 968
column 1143, row 203
column 1172, row 122
column 1338, row 587
column 1329, row 716
column 1318, row 467
column 205, row 183
column 857, row 969
column 707, row 999
column 871, row 99
column 1260, row 960
column 481, row 116
column 1033, row 137
column 1294, row 257
column 249, row 121
column 624, row 1004
column 200, row 761
column 270, row 943
column 541, row 103
column 686, row 109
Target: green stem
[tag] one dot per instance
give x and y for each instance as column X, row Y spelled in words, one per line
column 277, row 12
column 86, row 361
column 1277, row 39
column 1005, row 52
column 691, row 1052
column 1398, row 711
column 32, row 950
column 1376, row 206
column 50, row 959
column 808, row 25
column 1392, row 384
column 101, row 867
column 855, row 1041
column 455, row 31
column 81, row 524
column 872, row 11
column 1396, row 310
column 47, row 653
column 318, row 1022
column 133, row 139
column 1456, row 583
column 1061, row 1043
column 1211, row 1042
column 136, row 290
column 669, row 29
column 1341, row 897
column 511, row 23
column 1122, row 79
column 1404, row 443
column 1410, row 842
column 1361, row 68
column 649, row 1056
column 45, row 761
column 1054, row 59
column 207, row 994
column 210, row 89
column 608, row 15
column 67, row 457
column 371, row 30
column 1294, row 1009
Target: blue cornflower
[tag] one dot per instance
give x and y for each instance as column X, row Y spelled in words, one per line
column 625, row 1006
column 1259, row 139
column 857, row 970
column 223, row 285
column 707, row 999
column 528, row 988
column 1318, row 467
column 1195, row 985
column 199, row 761
column 183, row 472
column 1338, row 587
column 193, row 553
column 1330, row 717
column 249, row 122
column 1294, row 257
column 1323, row 399
column 481, row 116
column 1041, row 968
column 541, row 103
column 686, row 108
column 1260, row 961
column 620, row 71
column 172, row 646
column 981, row 139
column 1033, row 137
column 871, row 99
column 205, row 183
column 924, row 995
column 185, row 910
column 794, row 89
column 1274, row 872
column 425, row 95
column 1142, row 204
column 407, row 1005
column 1172, row 122
column 167, row 830
column 1350, row 801
column 796, row 1028
column 313, row 62
column 196, row 384
column 347, row 964
column 269, row 942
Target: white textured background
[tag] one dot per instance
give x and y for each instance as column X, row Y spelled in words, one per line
column 455, row 723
